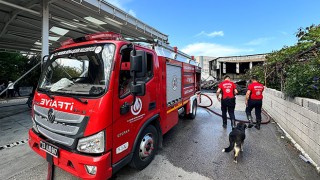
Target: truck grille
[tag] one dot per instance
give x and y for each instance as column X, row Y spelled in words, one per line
column 64, row 128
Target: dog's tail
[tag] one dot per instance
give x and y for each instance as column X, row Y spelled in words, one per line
column 228, row 149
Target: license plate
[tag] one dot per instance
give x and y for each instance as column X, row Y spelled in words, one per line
column 51, row 149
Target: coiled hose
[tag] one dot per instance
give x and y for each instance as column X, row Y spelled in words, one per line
column 266, row 121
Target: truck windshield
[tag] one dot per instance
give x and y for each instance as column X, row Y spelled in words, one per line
column 82, row 71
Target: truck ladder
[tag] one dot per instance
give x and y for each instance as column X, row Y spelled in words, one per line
column 173, row 53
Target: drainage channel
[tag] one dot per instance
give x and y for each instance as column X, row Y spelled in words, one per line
column 8, row 146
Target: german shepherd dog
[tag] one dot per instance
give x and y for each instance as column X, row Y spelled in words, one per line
column 236, row 139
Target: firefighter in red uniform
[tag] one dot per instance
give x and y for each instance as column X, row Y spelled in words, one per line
column 254, row 100
column 228, row 101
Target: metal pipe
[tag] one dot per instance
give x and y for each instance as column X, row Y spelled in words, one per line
column 21, row 77
column 20, row 7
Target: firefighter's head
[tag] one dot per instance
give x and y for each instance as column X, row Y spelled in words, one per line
column 226, row 77
column 254, row 78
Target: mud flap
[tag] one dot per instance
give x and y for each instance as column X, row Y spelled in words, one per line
column 50, row 174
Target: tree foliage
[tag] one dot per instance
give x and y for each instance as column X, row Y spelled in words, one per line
column 14, row 65
column 66, row 71
column 303, row 80
column 294, row 69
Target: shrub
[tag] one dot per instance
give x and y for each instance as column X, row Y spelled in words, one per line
column 295, row 70
column 304, row 80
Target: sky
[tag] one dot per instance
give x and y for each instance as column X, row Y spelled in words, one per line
column 226, row 27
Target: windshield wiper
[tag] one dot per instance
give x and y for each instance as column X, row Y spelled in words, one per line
column 46, row 92
column 75, row 97
column 80, row 100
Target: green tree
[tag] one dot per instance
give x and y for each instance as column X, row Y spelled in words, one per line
column 64, row 71
column 14, row 65
column 294, row 69
column 304, row 80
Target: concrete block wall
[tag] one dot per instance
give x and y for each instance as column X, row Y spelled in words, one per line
column 299, row 117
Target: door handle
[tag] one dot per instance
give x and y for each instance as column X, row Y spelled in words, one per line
column 124, row 109
column 152, row 105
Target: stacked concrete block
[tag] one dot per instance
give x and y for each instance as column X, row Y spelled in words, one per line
column 299, row 117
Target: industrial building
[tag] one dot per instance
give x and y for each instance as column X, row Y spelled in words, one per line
column 214, row 68
column 204, row 64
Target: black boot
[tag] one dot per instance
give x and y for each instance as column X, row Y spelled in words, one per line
column 233, row 123
column 250, row 121
column 257, row 126
column 224, row 125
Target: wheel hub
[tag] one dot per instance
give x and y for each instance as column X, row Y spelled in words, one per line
column 146, row 146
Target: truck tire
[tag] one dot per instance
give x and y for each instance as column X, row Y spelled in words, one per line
column 146, row 148
column 29, row 101
column 193, row 113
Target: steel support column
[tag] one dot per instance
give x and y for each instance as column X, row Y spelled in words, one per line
column 220, row 70
column 224, row 67
column 45, row 30
column 238, row 68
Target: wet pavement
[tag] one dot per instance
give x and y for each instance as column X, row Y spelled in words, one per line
column 196, row 147
column 191, row 150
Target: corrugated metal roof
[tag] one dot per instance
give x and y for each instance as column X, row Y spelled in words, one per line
column 21, row 23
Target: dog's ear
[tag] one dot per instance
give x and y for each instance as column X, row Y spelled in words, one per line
column 245, row 126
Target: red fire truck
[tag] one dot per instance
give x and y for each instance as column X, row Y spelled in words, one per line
column 103, row 102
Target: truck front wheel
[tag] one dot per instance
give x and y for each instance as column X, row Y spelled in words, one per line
column 193, row 113
column 146, row 148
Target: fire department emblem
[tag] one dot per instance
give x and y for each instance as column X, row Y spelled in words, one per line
column 258, row 93
column 227, row 90
column 174, row 83
column 136, row 108
column 51, row 116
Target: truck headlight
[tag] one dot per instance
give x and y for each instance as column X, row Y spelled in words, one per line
column 34, row 125
column 92, row 144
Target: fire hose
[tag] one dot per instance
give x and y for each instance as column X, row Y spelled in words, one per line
column 51, row 166
column 266, row 121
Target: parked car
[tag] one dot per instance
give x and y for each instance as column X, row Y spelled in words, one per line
column 241, row 86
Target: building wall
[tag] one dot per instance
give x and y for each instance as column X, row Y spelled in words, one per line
column 234, row 66
column 299, row 117
column 204, row 63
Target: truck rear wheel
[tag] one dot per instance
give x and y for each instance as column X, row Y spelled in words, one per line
column 146, row 148
column 193, row 113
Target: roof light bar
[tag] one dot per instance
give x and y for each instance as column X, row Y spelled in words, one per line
column 67, row 42
column 96, row 36
column 103, row 36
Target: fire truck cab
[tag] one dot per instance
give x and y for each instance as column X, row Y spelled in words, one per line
column 103, row 102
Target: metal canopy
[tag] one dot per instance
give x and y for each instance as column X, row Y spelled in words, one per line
column 21, row 23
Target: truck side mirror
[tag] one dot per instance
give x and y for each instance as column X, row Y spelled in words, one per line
column 44, row 61
column 139, row 89
column 138, row 63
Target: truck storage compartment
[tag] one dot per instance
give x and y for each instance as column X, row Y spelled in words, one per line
column 173, row 84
